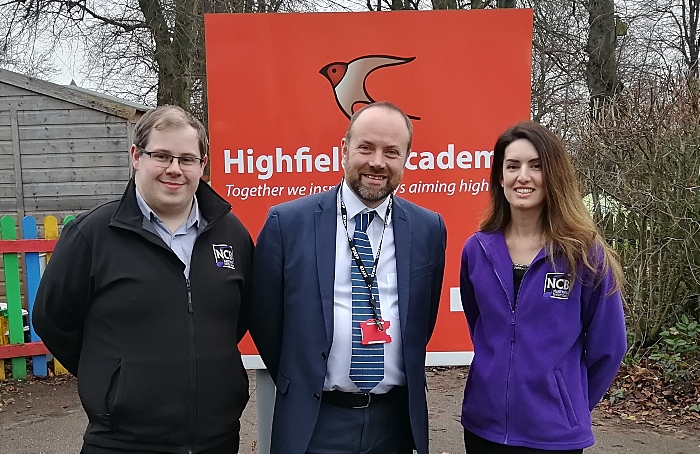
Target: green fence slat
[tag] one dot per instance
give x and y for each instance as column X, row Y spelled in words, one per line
column 14, row 300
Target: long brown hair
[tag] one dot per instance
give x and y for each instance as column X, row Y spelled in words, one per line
column 566, row 225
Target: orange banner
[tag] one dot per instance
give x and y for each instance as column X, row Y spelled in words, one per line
column 282, row 87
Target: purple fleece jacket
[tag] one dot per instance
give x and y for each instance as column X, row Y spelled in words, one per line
column 540, row 369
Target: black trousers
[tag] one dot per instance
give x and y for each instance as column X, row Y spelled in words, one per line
column 382, row 428
column 477, row 445
column 228, row 448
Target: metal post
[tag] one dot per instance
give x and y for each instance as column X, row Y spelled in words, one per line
column 265, row 396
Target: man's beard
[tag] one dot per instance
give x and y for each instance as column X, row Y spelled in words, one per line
column 353, row 178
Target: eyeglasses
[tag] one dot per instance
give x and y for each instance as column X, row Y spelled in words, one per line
column 164, row 159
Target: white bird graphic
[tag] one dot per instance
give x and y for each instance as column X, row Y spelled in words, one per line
column 348, row 80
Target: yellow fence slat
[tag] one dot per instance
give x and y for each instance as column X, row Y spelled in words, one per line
column 51, row 233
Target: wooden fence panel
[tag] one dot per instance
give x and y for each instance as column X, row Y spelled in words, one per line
column 12, row 320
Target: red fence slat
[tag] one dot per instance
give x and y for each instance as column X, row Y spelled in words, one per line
column 15, row 246
column 20, row 350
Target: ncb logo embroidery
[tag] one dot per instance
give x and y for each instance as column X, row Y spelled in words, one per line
column 223, row 255
column 557, row 285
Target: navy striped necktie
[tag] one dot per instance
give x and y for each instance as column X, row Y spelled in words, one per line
column 367, row 361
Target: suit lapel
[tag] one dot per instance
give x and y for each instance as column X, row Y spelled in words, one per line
column 325, row 223
column 402, row 245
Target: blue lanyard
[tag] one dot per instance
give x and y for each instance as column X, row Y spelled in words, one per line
column 368, row 278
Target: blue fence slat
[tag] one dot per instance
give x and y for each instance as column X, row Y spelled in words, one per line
column 33, row 273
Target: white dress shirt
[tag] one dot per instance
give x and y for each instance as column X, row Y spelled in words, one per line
column 338, row 370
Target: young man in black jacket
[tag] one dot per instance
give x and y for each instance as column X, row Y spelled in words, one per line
column 144, row 300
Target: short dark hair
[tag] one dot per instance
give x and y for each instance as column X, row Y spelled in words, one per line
column 165, row 117
column 384, row 105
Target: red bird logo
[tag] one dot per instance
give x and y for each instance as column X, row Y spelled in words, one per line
column 348, row 80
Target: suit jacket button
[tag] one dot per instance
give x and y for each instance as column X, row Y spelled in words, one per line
column 317, row 396
column 324, row 356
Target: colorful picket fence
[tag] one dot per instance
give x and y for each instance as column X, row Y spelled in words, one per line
column 15, row 322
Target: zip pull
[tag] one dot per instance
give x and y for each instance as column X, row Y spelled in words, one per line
column 512, row 328
column 189, row 295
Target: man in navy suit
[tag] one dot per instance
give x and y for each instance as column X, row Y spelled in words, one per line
column 345, row 296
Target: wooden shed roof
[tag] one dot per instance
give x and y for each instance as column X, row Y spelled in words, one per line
column 76, row 95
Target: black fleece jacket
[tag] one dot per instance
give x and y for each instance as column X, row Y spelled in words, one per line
column 155, row 353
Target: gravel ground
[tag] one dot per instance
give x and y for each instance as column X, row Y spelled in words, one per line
column 44, row 417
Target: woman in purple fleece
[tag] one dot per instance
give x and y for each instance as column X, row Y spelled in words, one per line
column 540, row 289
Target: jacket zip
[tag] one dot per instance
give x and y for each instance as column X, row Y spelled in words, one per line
column 189, row 295
column 510, row 368
column 193, row 348
column 512, row 349
column 192, row 366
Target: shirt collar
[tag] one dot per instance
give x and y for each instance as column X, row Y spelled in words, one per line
column 354, row 205
column 194, row 217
